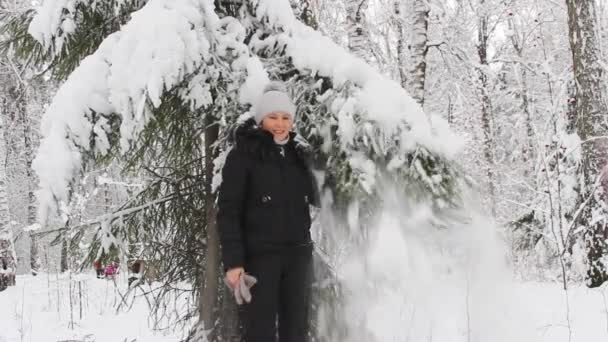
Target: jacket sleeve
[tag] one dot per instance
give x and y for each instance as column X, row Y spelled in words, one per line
column 230, row 202
column 314, row 193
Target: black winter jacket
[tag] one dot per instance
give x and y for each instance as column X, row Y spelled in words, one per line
column 264, row 198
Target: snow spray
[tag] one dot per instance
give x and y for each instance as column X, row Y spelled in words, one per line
column 418, row 277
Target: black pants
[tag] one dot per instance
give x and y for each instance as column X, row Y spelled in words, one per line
column 281, row 295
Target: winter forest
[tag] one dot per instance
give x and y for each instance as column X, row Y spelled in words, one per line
column 460, row 148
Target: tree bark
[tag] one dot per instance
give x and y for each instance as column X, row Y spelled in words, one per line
column 486, row 105
column 8, row 257
column 592, row 128
column 358, row 39
column 28, row 143
column 418, row 49
column 208, row 301
column 64, row 265
column 400, row 44
column 528, row 147
column 603, row 24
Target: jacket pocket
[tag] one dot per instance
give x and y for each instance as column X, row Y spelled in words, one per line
column 261, row 214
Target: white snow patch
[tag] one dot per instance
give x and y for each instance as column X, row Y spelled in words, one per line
column 414, row 281
column 38, row 310
column 50, row 20
column 257, row 78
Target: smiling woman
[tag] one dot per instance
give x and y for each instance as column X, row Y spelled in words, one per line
column 279, row 124
column 264, row 222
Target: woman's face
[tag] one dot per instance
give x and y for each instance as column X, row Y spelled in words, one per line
column 277, row 123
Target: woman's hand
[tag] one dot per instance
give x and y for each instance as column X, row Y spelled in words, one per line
column 232, row 276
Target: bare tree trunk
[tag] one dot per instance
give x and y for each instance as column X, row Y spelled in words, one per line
column 592, row 128
column 603, row 24
column 400, row 44
column 571, row 108
column 486, row 105
column 64, row 265
column 418, row 49
column 358, row 39
column 34, row 254
column 8, row 257
column 208, row 301
column 528, row 149
column 28, row 142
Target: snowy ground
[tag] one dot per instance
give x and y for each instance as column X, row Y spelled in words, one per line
column 29, row 313
column 414, row 283
column 546, row 308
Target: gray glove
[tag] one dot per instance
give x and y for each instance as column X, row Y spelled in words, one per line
column 242, row 294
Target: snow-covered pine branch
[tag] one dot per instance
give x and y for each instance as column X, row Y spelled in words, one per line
column 132, row 67
column 125, row 76
column 376, row 119
column 57, row 20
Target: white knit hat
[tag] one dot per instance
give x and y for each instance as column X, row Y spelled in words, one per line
column 274, row 99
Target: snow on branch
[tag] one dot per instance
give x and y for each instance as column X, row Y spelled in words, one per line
column 55, row 20
column 125, row 76
column 66, row 127
column 153, row 55
column 377, row 98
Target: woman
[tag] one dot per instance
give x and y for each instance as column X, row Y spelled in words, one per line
column 264, row 220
